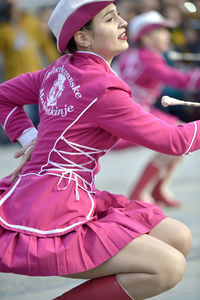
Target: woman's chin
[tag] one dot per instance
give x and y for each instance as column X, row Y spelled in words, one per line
column 124, row 48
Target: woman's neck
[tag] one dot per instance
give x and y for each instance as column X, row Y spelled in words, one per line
column 109, row 61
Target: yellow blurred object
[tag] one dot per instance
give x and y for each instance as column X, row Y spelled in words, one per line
column 24, row 46
column 178, row 37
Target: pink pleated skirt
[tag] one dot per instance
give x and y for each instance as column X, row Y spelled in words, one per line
column 82, row 249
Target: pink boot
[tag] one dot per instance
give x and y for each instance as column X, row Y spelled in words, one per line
column 106, row 288
column 162, row 199
column 143, row 188
column 160, row 194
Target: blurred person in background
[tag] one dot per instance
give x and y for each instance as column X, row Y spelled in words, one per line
column 145, row 70
column 184, row 36
column 44, row 13
column 179, row 3
column 183, row 55
column 173, row 13
column 24, row 44
column 22, row 39
column 191, row 31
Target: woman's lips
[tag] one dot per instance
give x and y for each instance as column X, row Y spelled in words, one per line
column 123, row 36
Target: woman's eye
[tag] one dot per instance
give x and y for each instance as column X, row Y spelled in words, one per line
column 109, row 20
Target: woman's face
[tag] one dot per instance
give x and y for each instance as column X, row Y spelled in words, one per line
column 160, row 39
column 108, row 35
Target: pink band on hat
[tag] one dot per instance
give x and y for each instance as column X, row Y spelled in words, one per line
column 147, row 29
column 77, row 20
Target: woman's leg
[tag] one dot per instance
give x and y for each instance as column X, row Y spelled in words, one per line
column 154, row 182
column 146, row 182
column 175, row 234
column 145, row 268
column 161, row 192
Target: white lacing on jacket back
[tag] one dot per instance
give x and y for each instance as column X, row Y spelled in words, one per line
column 68, row 169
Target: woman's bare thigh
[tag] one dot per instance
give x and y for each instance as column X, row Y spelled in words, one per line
column 145, row 254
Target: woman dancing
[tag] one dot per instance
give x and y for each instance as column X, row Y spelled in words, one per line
column 53, row 221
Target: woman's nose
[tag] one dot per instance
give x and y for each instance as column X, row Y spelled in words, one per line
column 123, row 23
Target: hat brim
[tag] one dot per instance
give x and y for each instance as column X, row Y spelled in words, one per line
column 77, row 20
column 149, row 28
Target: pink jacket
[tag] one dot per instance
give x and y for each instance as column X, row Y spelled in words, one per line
column 84, row 109
column 146, row 72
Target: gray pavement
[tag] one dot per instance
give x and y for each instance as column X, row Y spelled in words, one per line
column 118, row 172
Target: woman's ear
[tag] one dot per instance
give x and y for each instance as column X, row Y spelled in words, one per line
column 82, row 39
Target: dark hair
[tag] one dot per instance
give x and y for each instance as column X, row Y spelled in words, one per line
column 72, row 46
column 5, row 11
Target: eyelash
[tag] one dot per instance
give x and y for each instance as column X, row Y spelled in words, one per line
column 112, row 18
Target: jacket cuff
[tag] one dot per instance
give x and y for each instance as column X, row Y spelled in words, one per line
column 27, row 136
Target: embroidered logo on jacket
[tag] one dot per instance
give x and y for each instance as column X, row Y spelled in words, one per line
column 56, row 90
column 49, row 96
column 63, row 72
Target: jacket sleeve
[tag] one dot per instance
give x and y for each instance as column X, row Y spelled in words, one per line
column 118, row 114
column 172, row 77
column 14, row 94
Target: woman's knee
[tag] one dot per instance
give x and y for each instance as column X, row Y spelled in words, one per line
column 181, row 238
column 171, row 270
column 164, row 274
column 184, row 240
column 174, row 233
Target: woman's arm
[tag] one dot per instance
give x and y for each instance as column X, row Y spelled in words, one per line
column 14, row 94
column 117, row 113
column 172, row 77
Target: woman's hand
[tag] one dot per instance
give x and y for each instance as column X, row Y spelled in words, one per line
column 25, row 153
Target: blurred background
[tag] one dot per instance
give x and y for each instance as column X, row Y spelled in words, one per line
column 26, row 45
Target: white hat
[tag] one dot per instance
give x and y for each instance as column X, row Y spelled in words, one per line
column 146, row 22
column 69, row 16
